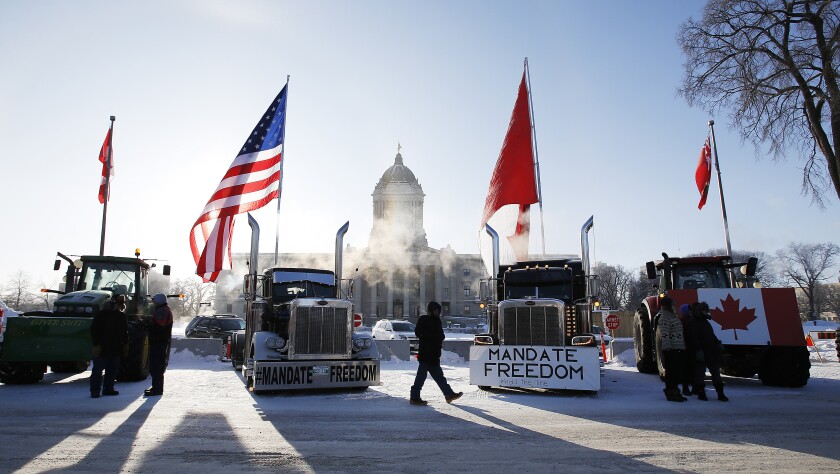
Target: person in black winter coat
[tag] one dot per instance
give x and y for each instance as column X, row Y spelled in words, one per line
column 160, row 334
column 708, row 354
column 109, row 334
column 429, row 331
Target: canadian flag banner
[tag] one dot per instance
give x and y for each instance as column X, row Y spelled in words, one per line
column 749, row 316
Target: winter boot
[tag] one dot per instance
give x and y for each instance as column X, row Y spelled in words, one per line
column 673, row 395
column 686, row 390
column 721, row 396
column 701, row 395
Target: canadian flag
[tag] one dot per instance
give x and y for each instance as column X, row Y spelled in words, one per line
column 749, row 316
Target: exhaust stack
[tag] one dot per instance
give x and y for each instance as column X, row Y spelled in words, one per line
column 255, row 254
column 495, row 236
column 339, row 260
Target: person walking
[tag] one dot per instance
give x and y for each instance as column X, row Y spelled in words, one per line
column 109, row 335
column 429, row 331
column 670, row 344
column 708, row 354
column 160, row 334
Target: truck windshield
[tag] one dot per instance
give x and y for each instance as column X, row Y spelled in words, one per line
column 116, row 277
column 560, row 291
column 700, row 276
column 289, row 290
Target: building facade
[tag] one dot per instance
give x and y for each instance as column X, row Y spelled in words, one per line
column 397, row 274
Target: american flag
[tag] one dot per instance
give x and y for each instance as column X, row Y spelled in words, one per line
column 251, row 182
column 106, row 157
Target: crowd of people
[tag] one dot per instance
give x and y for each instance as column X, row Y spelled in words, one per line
column 687, row 346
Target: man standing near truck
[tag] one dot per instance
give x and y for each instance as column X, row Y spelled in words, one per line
column 160, row 334
column 429, row 331
column 109, row 334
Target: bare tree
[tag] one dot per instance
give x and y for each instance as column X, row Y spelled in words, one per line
column 764, row 272
column 18, row 293
column 830, row 298
column 615, row 282
column 198, row 296
column 640, row 288
column 773, row 64
column 806, row 266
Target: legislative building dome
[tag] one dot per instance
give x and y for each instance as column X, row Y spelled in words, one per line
column 398, row 208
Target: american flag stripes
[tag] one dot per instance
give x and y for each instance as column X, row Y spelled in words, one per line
column 251, row 181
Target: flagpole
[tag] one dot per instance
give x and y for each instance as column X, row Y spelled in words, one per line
column 107, row 185
column 536, row 154
column 280, row 183
column 720, row 188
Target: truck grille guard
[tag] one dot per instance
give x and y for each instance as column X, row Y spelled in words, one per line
column 320, row 331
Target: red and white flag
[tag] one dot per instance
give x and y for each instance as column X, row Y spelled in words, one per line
column 704, row 172
column 106, row 157
column 513, row 188
column 251, row 182
column 749, row 316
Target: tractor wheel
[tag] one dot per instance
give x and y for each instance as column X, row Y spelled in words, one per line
column 135, row 366
column 69, row 367
column 20, row 373
column 785, row 367
column 643, row 343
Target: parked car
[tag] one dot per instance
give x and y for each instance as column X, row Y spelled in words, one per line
column 388, row 329
column 597, row 331
column 214, row 326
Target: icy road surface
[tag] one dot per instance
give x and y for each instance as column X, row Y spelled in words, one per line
column 208, row 423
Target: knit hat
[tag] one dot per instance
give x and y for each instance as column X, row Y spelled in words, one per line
column 159, row 299
column 685, row 310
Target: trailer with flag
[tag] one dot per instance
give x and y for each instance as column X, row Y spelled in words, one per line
column 759, row 328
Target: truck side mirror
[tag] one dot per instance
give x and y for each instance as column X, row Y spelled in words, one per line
column 651, row 270
column 166, row 270
column 57, row 264
column 752, row 265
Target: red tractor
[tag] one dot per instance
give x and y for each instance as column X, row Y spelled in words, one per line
column 760, row 328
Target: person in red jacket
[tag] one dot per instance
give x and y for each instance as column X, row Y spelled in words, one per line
column 429, row 331
column 160, row 334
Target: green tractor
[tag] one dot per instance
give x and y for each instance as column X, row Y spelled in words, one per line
column 61, row 338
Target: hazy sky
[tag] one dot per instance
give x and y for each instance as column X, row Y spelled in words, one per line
column 188, row 80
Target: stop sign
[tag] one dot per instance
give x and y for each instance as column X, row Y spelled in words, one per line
column 612, row 322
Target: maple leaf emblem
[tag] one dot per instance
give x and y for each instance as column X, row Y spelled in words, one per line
column 731, row 316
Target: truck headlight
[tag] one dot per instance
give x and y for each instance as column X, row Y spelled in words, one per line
column 275, row 343
column 583, row 341
column 362, row 343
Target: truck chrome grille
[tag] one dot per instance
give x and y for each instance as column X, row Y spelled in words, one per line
column 531, row 325
column 321, row 331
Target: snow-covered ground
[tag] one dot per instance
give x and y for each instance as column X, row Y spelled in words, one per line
column 208, row 422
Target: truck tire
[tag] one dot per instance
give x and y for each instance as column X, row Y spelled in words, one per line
column 785, row 367
column 643, row 343
column 237, row 350
column 135, row 366
column 20, row 373
column 69, row 367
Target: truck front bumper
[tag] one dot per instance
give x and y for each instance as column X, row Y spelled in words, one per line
column 317, row 374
